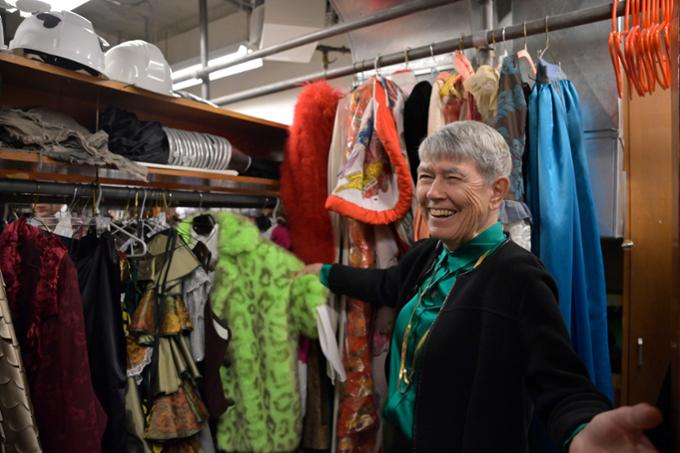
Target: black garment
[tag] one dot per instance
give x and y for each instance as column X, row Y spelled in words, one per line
column 416, row 113
column 142, row 141
column 260, row 168
column 99, row 280
column 215, row 357
column 497, row 353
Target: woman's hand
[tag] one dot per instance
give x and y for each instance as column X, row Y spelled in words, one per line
column 620, row 430
column 310, row 269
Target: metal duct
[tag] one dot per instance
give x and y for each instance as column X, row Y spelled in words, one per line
column 416, row 30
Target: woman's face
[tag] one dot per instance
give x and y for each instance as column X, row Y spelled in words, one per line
column 456, row 199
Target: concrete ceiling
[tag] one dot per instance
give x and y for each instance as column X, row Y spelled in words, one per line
column 151, row 20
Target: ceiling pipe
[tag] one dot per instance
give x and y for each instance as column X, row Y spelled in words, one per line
column 205, row 49
column 534, row 27
column 383, row 16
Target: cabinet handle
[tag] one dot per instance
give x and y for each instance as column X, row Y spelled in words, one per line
column 640, row 346
column 627, row 244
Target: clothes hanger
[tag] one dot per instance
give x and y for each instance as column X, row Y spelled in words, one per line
column 614, row 48
column 658, row 57
column 132, row 240
column 505, row 44
column 640, row 63
column 203, row 224
column 405, row 78
column 461, row 64
column 653, row 42
column 642, row 48
column 492, row 51
column 407, row 67
column 524, row 53
column 666, row 41
column 433, row 68
column 629, row 57
column 376, row 66
column 543, row 51
column 35, row 220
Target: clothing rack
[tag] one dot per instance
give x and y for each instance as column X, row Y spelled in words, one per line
column 383, row 16
column 13, row 191
column 534, row 27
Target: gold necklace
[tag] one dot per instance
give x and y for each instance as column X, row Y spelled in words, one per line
column 405, row 375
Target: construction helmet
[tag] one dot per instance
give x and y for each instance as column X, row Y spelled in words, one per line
column 141, row 64
column 63, row 35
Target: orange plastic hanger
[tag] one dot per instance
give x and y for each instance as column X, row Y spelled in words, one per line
column 661, row 43
column 634, row 66
column 642, row 48
column 653, row 42
column 615, row 45
column 625, row 49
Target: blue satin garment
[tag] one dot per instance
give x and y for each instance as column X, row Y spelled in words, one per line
column 564, row 233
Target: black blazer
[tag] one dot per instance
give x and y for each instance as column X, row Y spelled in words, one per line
column 497, row 354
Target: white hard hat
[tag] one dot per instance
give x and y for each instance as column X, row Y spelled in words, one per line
column 141, row 64
column 62, row 34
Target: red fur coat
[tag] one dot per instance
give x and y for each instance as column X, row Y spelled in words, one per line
column 304, row 173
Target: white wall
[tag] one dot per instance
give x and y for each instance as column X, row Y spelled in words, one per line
column 232, row 30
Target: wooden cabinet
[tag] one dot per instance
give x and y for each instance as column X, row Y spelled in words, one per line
column 648, row 274
column 651, row 327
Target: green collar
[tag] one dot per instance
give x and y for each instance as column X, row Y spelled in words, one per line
column 470, row 252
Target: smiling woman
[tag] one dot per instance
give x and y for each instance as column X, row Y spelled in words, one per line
column 462, row 179
column 479, row 343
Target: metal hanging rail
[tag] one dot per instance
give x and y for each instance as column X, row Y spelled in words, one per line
column 13, row 191
column 534, row 27
column 383, row 16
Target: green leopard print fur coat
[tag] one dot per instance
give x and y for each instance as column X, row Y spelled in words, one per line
column 266, row 310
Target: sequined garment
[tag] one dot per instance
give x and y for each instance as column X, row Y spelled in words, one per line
column 18, row 430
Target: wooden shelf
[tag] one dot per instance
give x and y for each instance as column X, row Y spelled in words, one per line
column 26, row 165
column 25, row 82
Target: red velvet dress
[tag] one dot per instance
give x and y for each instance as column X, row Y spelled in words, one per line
column 44, row 298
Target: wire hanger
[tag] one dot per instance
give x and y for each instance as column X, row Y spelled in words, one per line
column 524, row 53
column 433, row 67
column 547, row 46
column 505, row 43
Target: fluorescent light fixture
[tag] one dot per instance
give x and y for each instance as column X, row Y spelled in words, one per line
column 419, row 67
column 243, row 67
column 55, row 5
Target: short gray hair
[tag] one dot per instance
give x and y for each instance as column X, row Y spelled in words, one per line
column 470, row 141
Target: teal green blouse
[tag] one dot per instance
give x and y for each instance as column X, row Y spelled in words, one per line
column 398, row 409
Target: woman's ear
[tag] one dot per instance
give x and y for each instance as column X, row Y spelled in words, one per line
column 500, row 188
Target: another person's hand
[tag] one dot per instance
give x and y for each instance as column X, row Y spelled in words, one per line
column 619, row 430
column 310, row 269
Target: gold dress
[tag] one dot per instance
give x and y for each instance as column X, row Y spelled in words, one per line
column 159, row 338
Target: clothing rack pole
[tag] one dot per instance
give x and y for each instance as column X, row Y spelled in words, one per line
column 383, row 16
column 12, row 191
column 534, row 27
